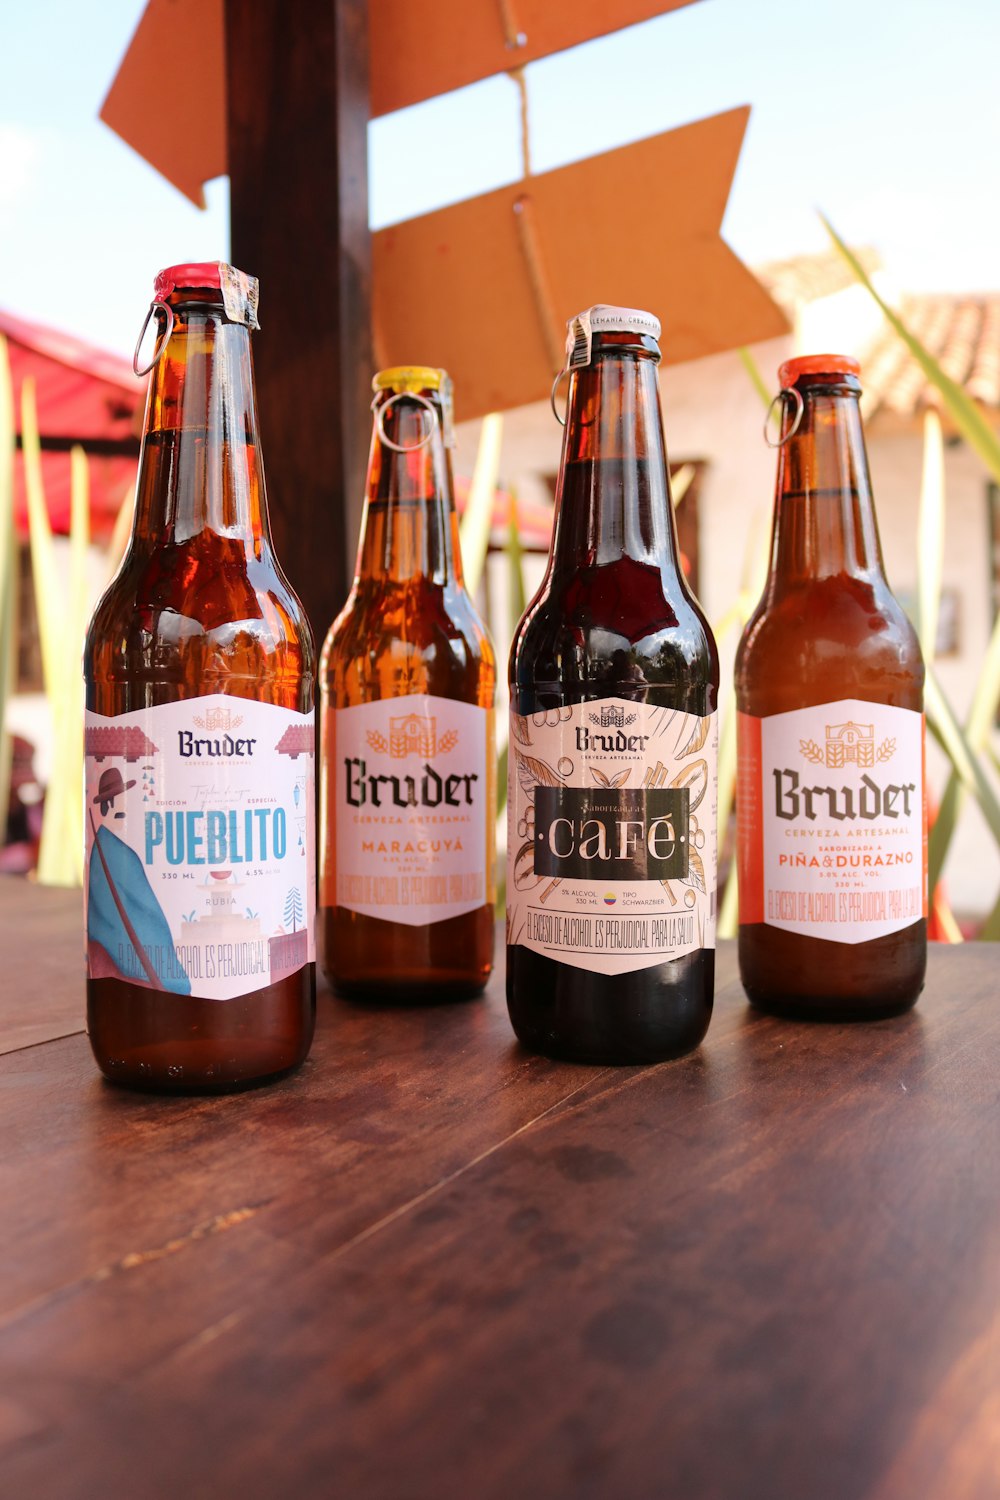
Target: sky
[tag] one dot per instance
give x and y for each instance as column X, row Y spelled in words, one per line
column 885, row 114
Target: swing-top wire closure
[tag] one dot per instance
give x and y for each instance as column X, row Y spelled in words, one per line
column 162, row 339
column 566, row 370
column 794, row 392
column 380, row 420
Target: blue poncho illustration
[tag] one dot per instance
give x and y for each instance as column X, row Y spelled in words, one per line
column 127, row 921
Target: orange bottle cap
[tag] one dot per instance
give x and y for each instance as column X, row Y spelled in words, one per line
column 817, row 364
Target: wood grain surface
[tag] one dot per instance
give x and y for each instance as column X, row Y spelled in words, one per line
column 430, row 1264
column 42, row 964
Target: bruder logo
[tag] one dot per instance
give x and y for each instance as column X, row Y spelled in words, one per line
column 869, row 799
column 409, row 734
column 845, row 743
column 219, row 746
column 413, row 734
column 614, row 718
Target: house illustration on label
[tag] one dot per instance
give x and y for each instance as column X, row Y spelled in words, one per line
column 850, row 742
column 612, row 717
column 298, row 739
column 412, row 734
column 218, row 718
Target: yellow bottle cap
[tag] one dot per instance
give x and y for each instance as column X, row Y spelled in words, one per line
column 409, row 378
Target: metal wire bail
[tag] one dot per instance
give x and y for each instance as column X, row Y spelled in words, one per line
column 800, row 408
column 162, row 340
column 552, row 396
column 380, row 421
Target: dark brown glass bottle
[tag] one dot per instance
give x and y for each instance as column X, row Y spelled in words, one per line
column 408, row 771
column 200, row 743
column 613, row 685
column 829, row 686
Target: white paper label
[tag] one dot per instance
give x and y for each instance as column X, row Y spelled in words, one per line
column 611, row 836
column 200, row 845
column 832, row 820
column 410, row 784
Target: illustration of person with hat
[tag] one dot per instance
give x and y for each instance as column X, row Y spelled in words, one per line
column 111, row 786
column 128, row 935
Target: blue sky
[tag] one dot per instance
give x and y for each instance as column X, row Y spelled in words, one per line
column 884, row 113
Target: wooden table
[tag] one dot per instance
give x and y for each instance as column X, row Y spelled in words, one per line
column 431, row 1265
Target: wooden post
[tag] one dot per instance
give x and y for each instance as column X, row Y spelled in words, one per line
column 297, row 113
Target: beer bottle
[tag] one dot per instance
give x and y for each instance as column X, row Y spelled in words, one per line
column 200, row 735
column 407, row 683
column 829, row 684
column 614, row 679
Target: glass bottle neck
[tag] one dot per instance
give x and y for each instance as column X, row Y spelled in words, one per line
column 409, row 528
column 824, row 519
column 613, row 494
column 200, row 466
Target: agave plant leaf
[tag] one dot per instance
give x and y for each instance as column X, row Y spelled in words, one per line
column 8, row 574
column 680, row 483
column 727, row 765
column 515, row 565
column 62, row 614
column 990, row 932
column 759, row 383
column 474, row 533
column 950, row 735
column 502, row 764
column 930, row 535
column 975, row 741
column 44, row 572
column 730, row 909
column 963, row 410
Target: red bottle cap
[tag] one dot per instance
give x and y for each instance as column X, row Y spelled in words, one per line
column 193, row 273
column 817, row 364
column 239, row 291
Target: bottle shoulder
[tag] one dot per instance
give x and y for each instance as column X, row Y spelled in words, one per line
column 172, row 604
column 413, row 637
column 625, row 636
column 826, row 640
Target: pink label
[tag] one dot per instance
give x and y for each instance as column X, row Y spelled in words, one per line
column 411, row 786
column 835, row 821
column 200, row 845
column 611, row 836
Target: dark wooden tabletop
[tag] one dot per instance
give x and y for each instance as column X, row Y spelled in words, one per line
column 431, row 1265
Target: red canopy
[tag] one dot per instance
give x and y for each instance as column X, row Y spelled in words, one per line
column 84, row 395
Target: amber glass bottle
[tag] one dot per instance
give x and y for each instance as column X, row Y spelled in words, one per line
column 200, row 743
column 613, row 684
column 408, row 680
column 829, row 686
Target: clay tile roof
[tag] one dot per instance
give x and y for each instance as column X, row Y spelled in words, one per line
column 806, row 278
column 961, row 331
column 298, row 739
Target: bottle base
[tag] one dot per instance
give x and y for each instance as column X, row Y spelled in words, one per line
column 130, row 1080
column 394, row 993
column 609, row 1020
column 810, row 1008
column 787, row 974
column 154, row 1042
